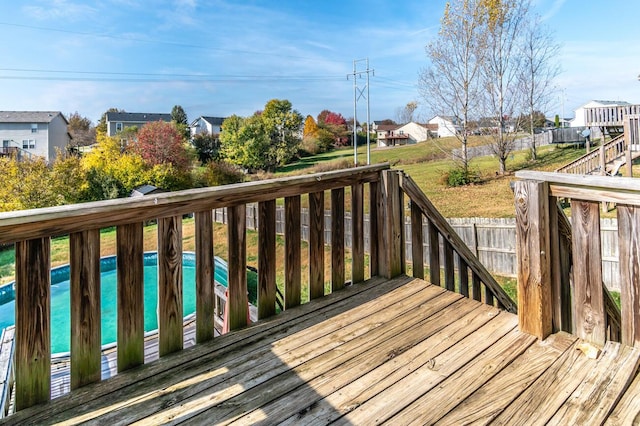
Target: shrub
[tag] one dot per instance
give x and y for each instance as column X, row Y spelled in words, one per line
column 222, row 173
column 457, row 176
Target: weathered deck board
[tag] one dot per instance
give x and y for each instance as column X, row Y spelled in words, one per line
column 398, row 351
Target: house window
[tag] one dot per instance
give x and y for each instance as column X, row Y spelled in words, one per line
column 401, row 132
column 34, row 128
column 28, row 144
column 118, row 127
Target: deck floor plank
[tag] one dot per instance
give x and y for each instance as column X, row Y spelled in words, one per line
column 482, row 406
column 600, row 391
column 399, row 351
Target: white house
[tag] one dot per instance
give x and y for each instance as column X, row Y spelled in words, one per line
column 210, row 125
column 447, row 125
column 33, row 133
column 118, row 121
column 406, row 134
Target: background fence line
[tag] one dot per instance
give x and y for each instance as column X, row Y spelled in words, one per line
column 492, row 240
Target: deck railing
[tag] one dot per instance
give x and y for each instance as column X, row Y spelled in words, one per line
column 560, row 264
column 595, row 161
column 609, row 116
column 32, row 230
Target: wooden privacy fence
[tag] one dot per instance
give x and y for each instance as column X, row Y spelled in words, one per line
column 32, row 230
column 560, row 264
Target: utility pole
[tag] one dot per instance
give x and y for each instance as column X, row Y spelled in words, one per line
column 357, row 94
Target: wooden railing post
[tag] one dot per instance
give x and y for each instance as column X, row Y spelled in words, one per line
column 393, row 221
column 205, row 287
column 590, row 320
column 629, row 249
column 170, row 307
column 267, row 259
column 33, row 323
column 237, row 302
column 337, row 239
column 84, row 278
column 534, row 263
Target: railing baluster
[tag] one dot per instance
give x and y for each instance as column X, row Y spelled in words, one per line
column 476, row 287
column 170, row 317
column 292, row 279
column 357, row 233
column 267, row 259
column 449, row 275
column 33, row 322
column 488, row 296
column 205, row 286
column 587, row 271
column 417, row 241
column 629, row 249
column 130, row 265
column 337, row 239
column 434, row 254
column 84, row 281
column 316, row 245
column 237, row 302
column 375, row 233
column 463, row 273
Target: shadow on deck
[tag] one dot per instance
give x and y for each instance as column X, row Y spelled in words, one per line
column 400, row 351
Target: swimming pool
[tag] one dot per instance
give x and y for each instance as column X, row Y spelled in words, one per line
column 60, row 299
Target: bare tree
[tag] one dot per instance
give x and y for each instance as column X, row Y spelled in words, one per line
column 501, row 71
column 406, row 113
column 449, row 84
column 539, row 70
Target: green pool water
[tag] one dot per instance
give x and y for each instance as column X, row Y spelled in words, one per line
column 60, row 299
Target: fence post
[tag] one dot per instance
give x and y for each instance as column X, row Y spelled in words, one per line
column 534, row 262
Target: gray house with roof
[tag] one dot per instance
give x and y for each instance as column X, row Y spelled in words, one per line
column 118, row 121
column 33, row 133
column 210, row 125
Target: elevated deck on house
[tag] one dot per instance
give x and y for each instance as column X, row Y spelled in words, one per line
column 399, row 351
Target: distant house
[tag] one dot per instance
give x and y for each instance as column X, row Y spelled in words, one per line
column 33, row 133
column 393, row 134
column 447, row 125
column 210, row 125
column 580, row 119
column 118, row 121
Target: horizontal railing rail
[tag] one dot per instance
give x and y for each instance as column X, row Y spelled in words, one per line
column 609, row 116
column 593, row 161
column 551, row 253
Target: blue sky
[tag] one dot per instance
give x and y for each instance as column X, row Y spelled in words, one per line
column 219, row 57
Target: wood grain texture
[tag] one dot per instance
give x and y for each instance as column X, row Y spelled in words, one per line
column 534, row 265
column 417, row 241
column 84, row 282
column 37, row 223
column 463, row 273
column 394, row 223
column 293, row 256
column 627, row 410
column 267, row 259
column 560, row 246
column 170, row 306
column 357, row 233
column 237, row 301
column 130, row 266
column 337, row 239
column 476, row 287
column 629, row 249
column 316, row 245
column 33, row 322
column 205, row 287
column 589, row 313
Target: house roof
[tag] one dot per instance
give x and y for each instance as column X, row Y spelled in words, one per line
column 29, row 116
column 137, row 117
column 387, row 127
column 145, row 190
column 214, row 121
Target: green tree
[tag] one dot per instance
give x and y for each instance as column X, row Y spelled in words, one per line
column 207, row 147
column 81, row 130
column 265, row 140
column 101, row 127
column 179, row 117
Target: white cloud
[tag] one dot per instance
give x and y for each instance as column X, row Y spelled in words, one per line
column 60, row 10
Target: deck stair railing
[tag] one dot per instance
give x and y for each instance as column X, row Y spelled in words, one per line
column 32, row 230
column 609, row 157
column 560, row 264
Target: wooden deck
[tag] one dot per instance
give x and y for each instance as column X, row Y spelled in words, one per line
column 400, row 351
